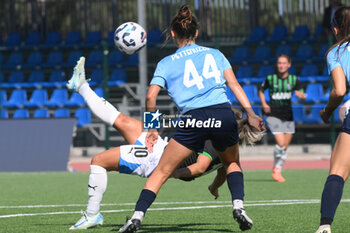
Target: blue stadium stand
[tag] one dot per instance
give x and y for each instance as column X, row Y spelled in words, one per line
column 115, row 58
column 58, row 98
column 278, row 35
column 292, row 70
column 14, row 81
column 41, row 113
column 317, row 33
column 325, row 97
column 325, row 71
column 21, row 113
column 257, row 109
column 265, row 70
column 73, row 39
column 35, row 60
column 240, row 55
column 321, row 54
column 73, row 57
column 301, row 33
column 36, row 79
column 2, row 78
column 309, row 70
column 99, row 92
column 57, row 79
column 267, row 95
column 110, row 38
column 33, row 39
column 154, row 37
column 17, row 99
column 53, row 39
column 231, row 97
column 262, row 54
column 61, row 112
column 15, row 61
column 3, row 97
column 93, row 39
column 244, row 74
column 54, row 60
column 38, row 99
column 75, row 101
column 96, row 77
column 282, row 49
column 299, row 113
column 117, row 78
column 336, row 116
column 1, row 59
column 84, row 116
column 304, row 53
column 314, row 115
column 4, row 114
column 258, row 35
column 13, row 40
column 252, row 93
column 132, row 61
column 314, row 93
column 94, row 59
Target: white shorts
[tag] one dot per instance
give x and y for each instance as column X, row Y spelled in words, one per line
column 278, row 126
column 137, row 160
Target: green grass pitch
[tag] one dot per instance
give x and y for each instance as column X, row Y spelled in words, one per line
column 55, row 201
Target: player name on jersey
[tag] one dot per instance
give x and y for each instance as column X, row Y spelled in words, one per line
column 188, row 52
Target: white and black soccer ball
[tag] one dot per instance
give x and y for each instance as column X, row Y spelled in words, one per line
column 130, row 37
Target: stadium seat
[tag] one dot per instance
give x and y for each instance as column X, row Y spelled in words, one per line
column 75, row 101
column 325, row 97
column 117, row 78
column 17, row 99
column 154, row 37
column 267, row 95
column 96, row 77
column 309, row 70
column 2, row 77
column 41, row 113
column 57, row 79
column 240, row 55
column 292, row 70
column 132, row 60
column 282, row 49
column 336, row 116
column 94, row 59
column 36, row 80
column 3, row 98
column 258, row 35
column 231, row 97
column 301, row 33
column 110, row 38
column 33, row 38
column 314, row 115
column 13, row 40
column 4, row 114
column 321, row 54
column 73, row 38
column 265, row 70
column 61, row 112
column 299, row 113
column 21, row 113
column 99, row 92
column 325, row 71
column 58, row 98
column 244, row 71
column 35, row 59
column 314, row 93
column 53, row 38
column 115, row 58
column 304, row 53
column 278, row 35
column 15, row 80
column 1, row 59
column 84, row 116
column 15, row 60
column 257, row 109
column 73, row 57
column 252, row 93
column 38, row 99
column 54, row 60
column 262, row 54
column 317, row 33
column 92, row 39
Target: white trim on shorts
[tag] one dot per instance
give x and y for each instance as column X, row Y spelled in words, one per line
column 277, row 126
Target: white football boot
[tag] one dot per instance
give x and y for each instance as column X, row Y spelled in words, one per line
column 86, row 222
column 78, row 77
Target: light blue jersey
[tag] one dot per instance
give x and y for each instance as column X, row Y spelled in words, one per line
column 193, row 76
column 341, row 58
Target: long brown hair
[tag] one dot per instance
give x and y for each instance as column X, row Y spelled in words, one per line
column 341, row 21
column 184, row 24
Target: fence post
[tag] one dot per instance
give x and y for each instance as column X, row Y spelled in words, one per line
column 105, row 87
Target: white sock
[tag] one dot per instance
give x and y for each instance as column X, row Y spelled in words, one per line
column 138, row 215
column 99, row 106
column 282, row 159
column 277, row 154
column 322, row 227
column 237, row 204
column 97, row 187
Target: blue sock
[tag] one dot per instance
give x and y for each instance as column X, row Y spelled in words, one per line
column 332, row 193
column 235, row 184
column 145, row 200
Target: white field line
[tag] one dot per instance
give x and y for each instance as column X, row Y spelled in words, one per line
column 258, row 203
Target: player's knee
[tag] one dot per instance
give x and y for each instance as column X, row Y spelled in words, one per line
column 96, row 160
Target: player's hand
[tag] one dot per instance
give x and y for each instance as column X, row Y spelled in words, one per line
column 151, row 139
column 301, row 95
column 214, row 192
column 324, row 116
column 266, row 108
column 256, row 122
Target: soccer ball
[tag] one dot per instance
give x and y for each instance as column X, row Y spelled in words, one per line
column 130, row 37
